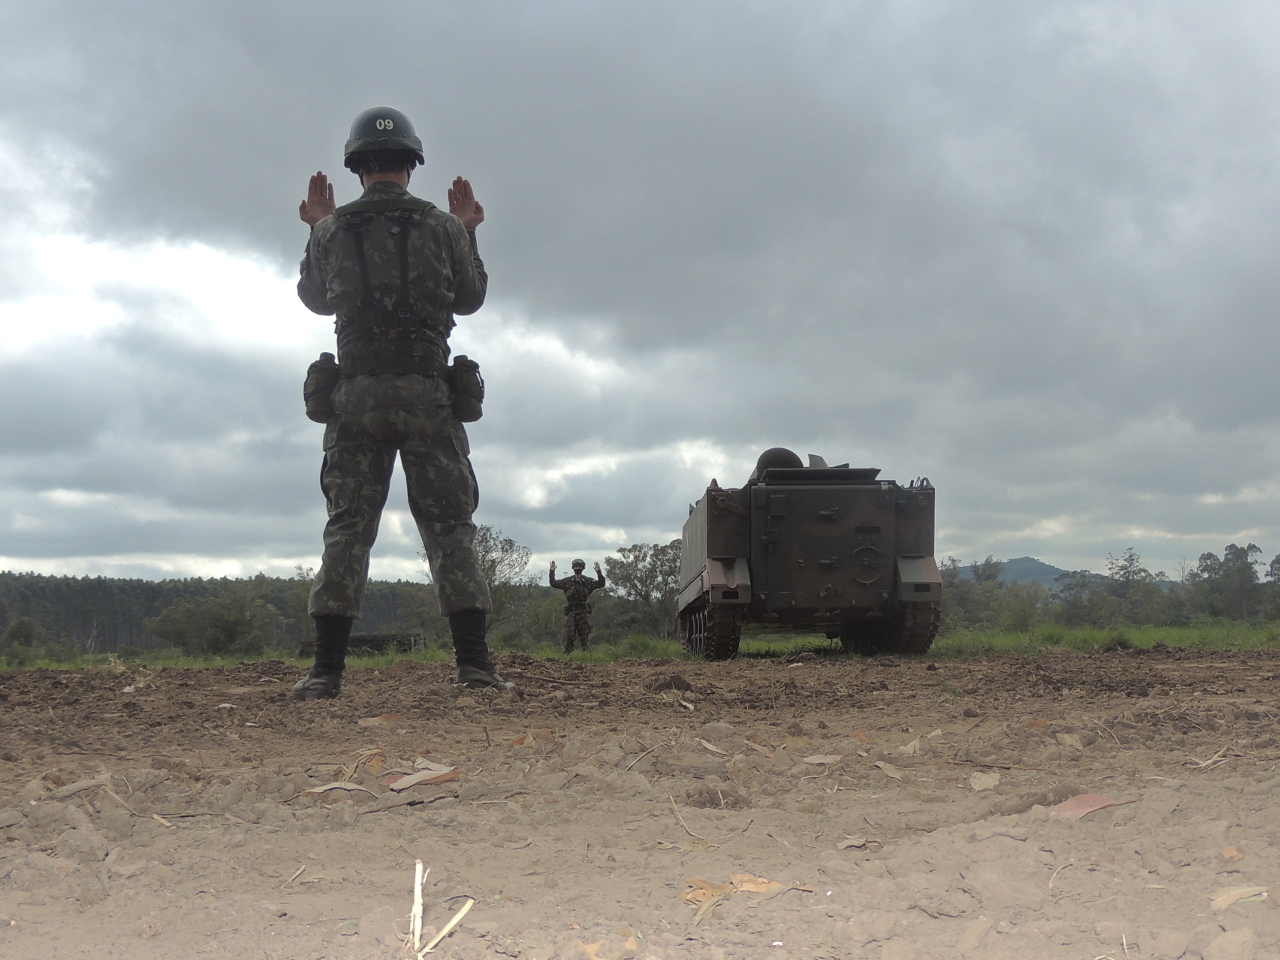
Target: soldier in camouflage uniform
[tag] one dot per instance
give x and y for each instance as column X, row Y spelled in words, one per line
column 395, row 270
column 577, row 611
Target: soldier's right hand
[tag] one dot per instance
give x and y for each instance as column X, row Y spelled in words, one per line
column 464, row 206
column 553, row 566
column 319, row 203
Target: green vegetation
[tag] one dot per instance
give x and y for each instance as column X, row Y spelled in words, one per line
column 1221, row 604
column 1048, row 638
column 1216, row 589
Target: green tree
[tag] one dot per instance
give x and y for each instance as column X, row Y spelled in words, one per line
column 648, row 574
column 986, row 571
column 25, row 632
column 502, row 560
column 503, row 563
column 233, row 623
column 1228, row 586
column 1141, row 600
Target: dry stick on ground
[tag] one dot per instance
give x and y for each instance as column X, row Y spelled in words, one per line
column 415, row 918
column 114, row 796
column 685, row 825
column 1056, row 872
column 643, row 755
column 1217, row 759
column 978, row 763
column 1106, row 728
column 404, row 802
column 447, row 928
column 707, row 908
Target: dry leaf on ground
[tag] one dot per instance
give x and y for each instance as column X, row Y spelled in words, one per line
column 711, row 746
column 1082, row 806
column 703, row 891
column 984, row 779
column 386, row 718
column 1222, row 899
column 889, row 769
column 340, row 785
column 909, row 750
column 531, row 736
column 1070, row 740
column 750, row 883
column 821, row 759
column 761, row 748
column 848, row 842
column 431, row 766
column 1232, row 854
column 424, row 776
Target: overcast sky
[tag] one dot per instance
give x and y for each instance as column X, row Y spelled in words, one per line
column 1026, row 250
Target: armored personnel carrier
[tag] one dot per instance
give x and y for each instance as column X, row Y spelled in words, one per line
column 830, row 549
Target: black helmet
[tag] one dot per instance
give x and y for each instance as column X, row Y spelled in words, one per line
column 579, row 563
column 379, row 129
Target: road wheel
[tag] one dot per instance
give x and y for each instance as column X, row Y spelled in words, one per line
column 693, row 629
column 723, row 634
column 712, row 633
column 917, row 626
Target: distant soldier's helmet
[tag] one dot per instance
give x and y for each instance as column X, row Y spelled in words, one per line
column 380, row 129
column 579, row 564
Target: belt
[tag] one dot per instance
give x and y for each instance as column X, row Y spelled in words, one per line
column 371, row 366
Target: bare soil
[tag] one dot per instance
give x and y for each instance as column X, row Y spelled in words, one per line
column 649, row 809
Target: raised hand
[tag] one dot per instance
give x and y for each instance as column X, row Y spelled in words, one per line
column 319, row 203
column 553, row 566
column 597, row 566
column 464, row 206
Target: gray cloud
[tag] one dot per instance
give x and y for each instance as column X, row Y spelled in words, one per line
column 1026, row 250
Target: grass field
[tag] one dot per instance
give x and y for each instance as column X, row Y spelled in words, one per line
column 1218, row 635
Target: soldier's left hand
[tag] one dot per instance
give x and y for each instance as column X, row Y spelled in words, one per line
column 319, row 203
column 597, row 566
column 464, row 206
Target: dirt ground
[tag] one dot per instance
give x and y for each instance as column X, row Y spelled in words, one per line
column 826, row 807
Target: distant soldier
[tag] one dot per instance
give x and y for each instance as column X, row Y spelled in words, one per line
column 577, row 589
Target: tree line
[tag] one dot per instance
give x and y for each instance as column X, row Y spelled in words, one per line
column 63, row 616
column 1234, row 586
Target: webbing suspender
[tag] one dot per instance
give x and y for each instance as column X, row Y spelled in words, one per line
column 362, row 261
column 403, row 298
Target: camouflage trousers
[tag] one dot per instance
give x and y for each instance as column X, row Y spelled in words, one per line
column 376, row 418
column 577, row 625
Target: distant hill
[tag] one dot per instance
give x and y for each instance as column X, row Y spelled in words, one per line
column 1031, row 570
column 1024, row 570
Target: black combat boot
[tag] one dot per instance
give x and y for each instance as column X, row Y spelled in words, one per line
column 324, row 680
column 475, row 669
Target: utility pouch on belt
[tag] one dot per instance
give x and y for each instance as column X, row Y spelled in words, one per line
column 467, row 388
column 317, row 391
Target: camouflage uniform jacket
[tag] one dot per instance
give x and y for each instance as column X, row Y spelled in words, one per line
column 576, row 591
column 444, row 275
